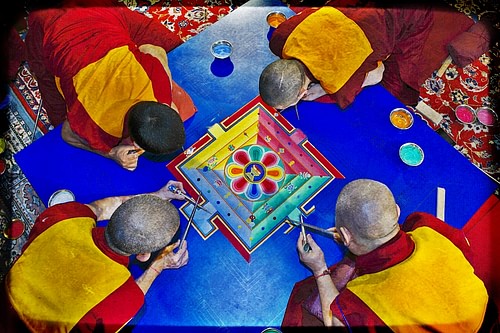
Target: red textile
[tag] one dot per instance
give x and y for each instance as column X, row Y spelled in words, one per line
column 390, row 254
column 121, row 305
column 481, row 231
column 401, row 37
column 468, row 85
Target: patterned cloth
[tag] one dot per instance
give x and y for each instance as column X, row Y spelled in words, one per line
column 468, row 85
column 184, row 20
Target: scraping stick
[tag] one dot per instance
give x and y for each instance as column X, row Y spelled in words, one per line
column 441, row 193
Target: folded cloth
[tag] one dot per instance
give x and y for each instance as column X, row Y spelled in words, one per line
column 184, row 103
column 471, row 44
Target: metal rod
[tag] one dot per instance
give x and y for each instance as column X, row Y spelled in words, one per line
column 306, row 245
column 175, row 190
column 189, row 222
column 312, row 227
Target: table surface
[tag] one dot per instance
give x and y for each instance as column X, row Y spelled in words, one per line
column 218, row 287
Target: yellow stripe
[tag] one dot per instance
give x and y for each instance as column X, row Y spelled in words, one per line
column 57, row 80
column 331, row 45
column 61, row 276
column 109, row 87
column 218, row 148
column 435, row 286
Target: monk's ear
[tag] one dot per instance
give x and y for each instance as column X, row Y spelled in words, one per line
column 398, row 210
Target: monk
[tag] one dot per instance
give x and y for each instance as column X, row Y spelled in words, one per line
column 103, row 75
column 404, row 278
column 73, row 275
column 330, row 54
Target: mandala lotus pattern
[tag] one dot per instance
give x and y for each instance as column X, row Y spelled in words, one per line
column 254, row 172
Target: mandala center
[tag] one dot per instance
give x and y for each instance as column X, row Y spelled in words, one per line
column 254, row 172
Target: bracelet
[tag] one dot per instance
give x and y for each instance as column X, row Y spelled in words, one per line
column 154, row 269
column 325, row 272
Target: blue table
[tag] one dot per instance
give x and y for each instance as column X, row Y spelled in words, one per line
column 218, row 287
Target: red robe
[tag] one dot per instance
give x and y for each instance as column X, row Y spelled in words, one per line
column 120, row 302
column 302, row 308
column 410, row 42
column 91, row 71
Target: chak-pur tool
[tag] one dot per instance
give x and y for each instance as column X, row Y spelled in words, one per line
column 190, row 221
column 176, row 190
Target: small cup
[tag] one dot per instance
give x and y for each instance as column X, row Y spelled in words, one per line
column 486, row 116
column 465, row 114
column 271, row 330
column 61, row 196
column 221, row 49
column 275, row 18
column 411, row 154
column 401, row 118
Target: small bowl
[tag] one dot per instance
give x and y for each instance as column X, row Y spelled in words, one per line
column 401, row 118
column 465, row 114
column 411, row 154
column 486, row 116
column 221, row 49
column 61, row 196
column 275, row 18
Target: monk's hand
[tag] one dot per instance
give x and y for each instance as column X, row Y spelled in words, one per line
column 169, row 259
column 314, row 91
column 126, row 155
column 314, row 259
column 336, row 235
column 165, row 194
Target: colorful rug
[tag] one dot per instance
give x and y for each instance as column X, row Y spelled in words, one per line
column 185, row 21
column 466, row 86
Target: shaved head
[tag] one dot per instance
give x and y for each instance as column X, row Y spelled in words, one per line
column 142, row 224
column 281, row 81
column 368, row 209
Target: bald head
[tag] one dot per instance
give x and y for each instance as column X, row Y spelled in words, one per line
column 368, row 209
column 142, row 224
column 281, row 81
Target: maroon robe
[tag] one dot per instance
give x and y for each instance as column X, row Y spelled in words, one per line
column 410, row 41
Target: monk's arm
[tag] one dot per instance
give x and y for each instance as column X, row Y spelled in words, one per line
column 104, row 208
column 375, row 76
column 125, row 155
column 315, row 261
column 167, row 259
column 327, row 294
